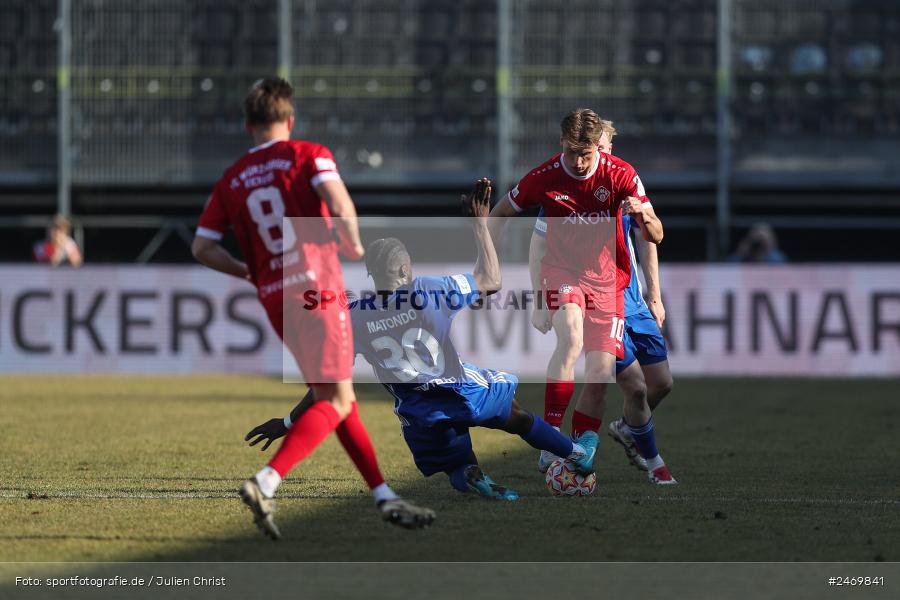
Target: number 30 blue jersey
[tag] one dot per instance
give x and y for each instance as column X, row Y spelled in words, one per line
column 405, row 336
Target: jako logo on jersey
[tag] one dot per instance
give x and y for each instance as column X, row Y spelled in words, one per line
column 591, row 218
column 559, row 197
column 602, row 194
column 565, row 288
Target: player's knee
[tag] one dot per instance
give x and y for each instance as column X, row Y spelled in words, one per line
column 343, row 405
column 635, row 391
column 568, row 323
column 599, row 374
column 660, row 389
column 638, row 395
column 341, row 398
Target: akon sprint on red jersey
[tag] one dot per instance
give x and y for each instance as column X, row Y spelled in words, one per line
column 587, row 259
column 570, row 201
column 270, row 182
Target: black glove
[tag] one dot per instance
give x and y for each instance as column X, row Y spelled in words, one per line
column 270, row 431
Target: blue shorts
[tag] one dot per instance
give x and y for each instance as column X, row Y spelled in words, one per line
column 642, row 341
column 436, row 423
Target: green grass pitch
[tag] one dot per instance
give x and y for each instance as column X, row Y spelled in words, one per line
column 146, row 469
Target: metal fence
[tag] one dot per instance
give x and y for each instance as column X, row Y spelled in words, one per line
column 410, row 92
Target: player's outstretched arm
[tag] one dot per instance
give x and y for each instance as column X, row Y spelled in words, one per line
column 649, row 254
column 273, row 429
column 487, row 264
column 210, row 253
column 540, row 316
column 341, row 206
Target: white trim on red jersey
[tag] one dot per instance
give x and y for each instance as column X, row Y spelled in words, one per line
column 208, row 233
column 580, row 177
column 324, row 176
column 514, row 192
column 264, row 145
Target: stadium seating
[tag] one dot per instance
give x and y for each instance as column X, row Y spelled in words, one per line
column 808, row 70
column 414, row 81
column 27, row 91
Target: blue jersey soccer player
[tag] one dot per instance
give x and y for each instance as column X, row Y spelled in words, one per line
column 403, row 331
column 643, row 341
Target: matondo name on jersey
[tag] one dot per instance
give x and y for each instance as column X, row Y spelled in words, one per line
column 391, row 322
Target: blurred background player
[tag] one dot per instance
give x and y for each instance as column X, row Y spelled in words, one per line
column 58, row 248
column 580, row 190
column 279, row 178
column 437, row 396
column 643, row 341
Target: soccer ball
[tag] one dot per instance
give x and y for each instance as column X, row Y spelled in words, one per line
column 564, row 480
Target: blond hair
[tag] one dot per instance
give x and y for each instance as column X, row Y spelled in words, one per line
column 607, row 127
column 270, row 100
column 582, row 128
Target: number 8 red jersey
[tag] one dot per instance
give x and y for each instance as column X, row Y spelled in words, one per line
column 270, row 182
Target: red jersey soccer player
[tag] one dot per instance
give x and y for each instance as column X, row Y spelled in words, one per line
column 644, row 370
column 584, row 193
column 280, row 178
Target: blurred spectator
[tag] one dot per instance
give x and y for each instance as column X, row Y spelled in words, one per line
column 58, row 247
column 759, row 246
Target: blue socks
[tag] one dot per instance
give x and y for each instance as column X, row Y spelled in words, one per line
column 644, row 439
column 458, row 478
column 544, row 436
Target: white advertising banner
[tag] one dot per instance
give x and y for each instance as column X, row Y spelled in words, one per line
column 835, row 320
column 132, row 319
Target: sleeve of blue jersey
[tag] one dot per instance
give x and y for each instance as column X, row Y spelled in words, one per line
column 455, row 292
column 540, row 225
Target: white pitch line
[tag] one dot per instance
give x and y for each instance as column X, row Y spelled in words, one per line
column 797, row 500
column 168, row 495
column 229, row 495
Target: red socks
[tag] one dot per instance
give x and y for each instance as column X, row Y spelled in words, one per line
column 358, row 444
column 313, row 427
column 309, row 431
column 582, row 422
column 557, row 395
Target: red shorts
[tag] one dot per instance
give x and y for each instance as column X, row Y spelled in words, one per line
column 320, row 336
column 602, row 306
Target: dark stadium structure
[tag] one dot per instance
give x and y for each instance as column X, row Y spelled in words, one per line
column 416, row 98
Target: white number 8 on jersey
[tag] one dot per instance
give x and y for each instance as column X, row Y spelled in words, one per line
column 266, row 222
